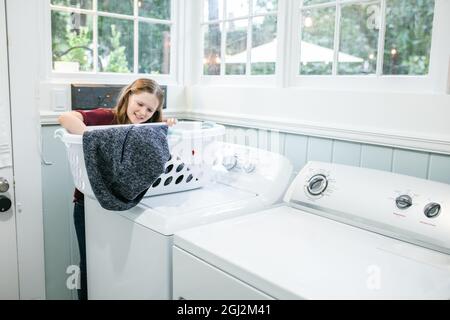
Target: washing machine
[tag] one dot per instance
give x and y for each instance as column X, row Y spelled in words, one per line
column 342, row 233
column 129, row 253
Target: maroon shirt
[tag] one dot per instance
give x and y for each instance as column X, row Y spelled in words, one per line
column 95, row 117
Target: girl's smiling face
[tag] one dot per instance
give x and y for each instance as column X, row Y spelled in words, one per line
column 141, row 106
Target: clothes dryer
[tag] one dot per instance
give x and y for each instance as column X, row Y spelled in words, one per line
column 342, row 233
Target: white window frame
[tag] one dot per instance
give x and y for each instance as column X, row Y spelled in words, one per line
column 247, row 79
column 177, row 45
column 433, row 82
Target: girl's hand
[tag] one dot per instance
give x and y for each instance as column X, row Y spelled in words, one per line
column 72, row 121
column 171, row 121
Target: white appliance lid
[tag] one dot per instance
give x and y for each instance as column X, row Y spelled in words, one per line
column 291, row 254
column 175, row 211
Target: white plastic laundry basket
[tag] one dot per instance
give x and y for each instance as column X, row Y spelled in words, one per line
column 193, row 146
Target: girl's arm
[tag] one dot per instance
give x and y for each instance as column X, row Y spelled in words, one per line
column 170, row 121
column 72, row 121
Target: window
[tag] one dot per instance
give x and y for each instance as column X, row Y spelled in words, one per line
column 239, row 37
column 118, row 36
column 357, row 37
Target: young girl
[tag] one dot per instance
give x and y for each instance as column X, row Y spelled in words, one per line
column 140, row 102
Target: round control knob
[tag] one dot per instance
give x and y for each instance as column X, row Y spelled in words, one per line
column 4, row 185
column 5, row 204
column 249, row 167
column 403, row 202
column 432, row 210
column 229, row 162
column 317, row 184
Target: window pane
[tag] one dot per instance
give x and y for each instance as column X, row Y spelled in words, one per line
column 359, row 39
column 72, row 42
column 316, row 52
column 154, row 48
column 115, row 45
column 157, row 9
column 308, row 2
column 116, row 6
column 237, row 8
column 263, row 6
column 408, row 36
column 212, row 10
column 81, row 4
column 212, row 43
column 236, row 47
column 264, row 45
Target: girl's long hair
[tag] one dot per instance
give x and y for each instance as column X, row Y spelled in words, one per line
column 139, row 85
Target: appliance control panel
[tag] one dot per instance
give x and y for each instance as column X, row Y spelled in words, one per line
column 405, row 207
column 256, row 170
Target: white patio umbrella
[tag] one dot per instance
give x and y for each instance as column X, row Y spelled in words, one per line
column 309, row 53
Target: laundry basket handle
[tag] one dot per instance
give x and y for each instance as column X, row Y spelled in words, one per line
column 59, row 133
column 208, row 124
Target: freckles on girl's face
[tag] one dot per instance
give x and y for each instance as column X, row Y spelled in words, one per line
column 141, row 107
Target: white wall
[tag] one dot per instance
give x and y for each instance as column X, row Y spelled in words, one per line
column 411, row 120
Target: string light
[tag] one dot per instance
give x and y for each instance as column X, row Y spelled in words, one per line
column 213, row 59
column 308, row 22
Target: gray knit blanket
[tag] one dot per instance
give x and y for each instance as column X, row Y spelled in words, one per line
column 123, row 162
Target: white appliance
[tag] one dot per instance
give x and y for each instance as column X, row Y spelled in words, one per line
column 129, row 253
column 343, row 233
